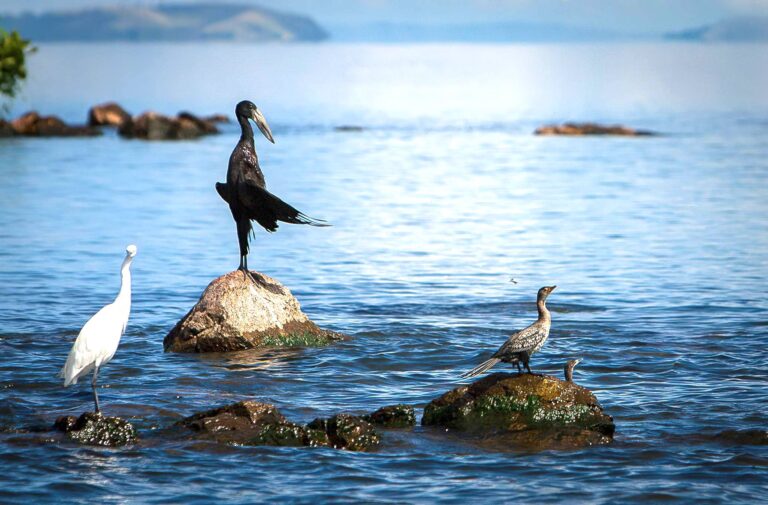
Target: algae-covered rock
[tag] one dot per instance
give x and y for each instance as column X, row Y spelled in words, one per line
column 95, row 429
column 393, row 416
column 523, row 410
column 252, row 423
column 235, row 313
column 577, row 129
column 346, row 431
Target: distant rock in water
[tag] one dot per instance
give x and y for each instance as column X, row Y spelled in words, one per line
column 166, row 22
column 33, row 124
column 95, row 429
column 108, row 114
column 523, row 412
column 6, row 129
column 591, row 129
column 255, row 423
column 235, row 313
column 217, row 118
column 738, row 29
column 155, row 126
column 348, row 128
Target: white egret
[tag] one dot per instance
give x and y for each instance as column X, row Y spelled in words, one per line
column 99, row 338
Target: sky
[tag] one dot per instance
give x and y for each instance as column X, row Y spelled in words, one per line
column 627, row 16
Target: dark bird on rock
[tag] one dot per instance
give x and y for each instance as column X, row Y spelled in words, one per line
column 245, row 190
column 521, row 345
column 568, row 369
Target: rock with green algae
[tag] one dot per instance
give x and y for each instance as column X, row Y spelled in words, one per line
column 95, row 429
column 393, row 416
column 523, row 411
column 235, row 313
column 349, row 432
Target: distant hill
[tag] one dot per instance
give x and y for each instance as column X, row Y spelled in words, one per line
column 742, row 29
column 470, row 32
column 172, row 22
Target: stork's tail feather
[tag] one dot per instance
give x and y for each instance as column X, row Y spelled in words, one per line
column 302, row 218
column 482, row 367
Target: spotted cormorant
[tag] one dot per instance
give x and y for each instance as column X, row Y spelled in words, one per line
column 246, row 191
column 521, row 345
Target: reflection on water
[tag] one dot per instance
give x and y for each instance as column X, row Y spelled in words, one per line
column 659, row 247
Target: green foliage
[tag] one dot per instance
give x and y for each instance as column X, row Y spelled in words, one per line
column 13, row 70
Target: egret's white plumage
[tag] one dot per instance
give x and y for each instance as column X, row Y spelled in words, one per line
column 98, row 340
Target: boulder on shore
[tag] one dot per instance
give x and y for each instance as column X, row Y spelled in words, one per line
column 95, row 429
column 523, row 412
column 591, row 129
column 108, row 114
column 156, row 126
column 235, row 313
column 33, row 124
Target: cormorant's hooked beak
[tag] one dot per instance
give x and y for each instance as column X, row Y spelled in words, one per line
column 261, row 122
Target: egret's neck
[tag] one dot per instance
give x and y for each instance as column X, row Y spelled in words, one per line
column 124, row 296
column 544, row 315
column 246, row 131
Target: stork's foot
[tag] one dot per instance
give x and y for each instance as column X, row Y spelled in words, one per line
column 253, row 277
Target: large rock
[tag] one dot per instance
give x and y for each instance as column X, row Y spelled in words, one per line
column 590, row 129
column 108, row 114
column 393, row 416
column 33, row 124
column 156, row 126
column 95, row 429
column 236, row 313
column 523, row 411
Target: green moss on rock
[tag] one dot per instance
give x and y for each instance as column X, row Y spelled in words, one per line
column 393, row 416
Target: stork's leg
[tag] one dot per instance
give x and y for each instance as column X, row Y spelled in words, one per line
column 93, row 385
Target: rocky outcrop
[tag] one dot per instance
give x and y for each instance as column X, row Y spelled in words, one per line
column 155, row 126
column 236, row 313
column 108, row 114
column 346, row 431
column 95, row 429
column 393, row 416
column 523, row 411
column 217, row 118
column 33, row 124
column 6, row 129
column 591, row 129
column 255, row 423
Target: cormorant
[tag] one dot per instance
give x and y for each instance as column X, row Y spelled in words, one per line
column 521, row 345
column 245, row 190
column 568, row 370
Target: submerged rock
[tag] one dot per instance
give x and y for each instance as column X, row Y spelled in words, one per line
column 155, row 126
column 33, row 124
column 523, row 411
column 95, row 429
column 590, row 129
column 393, row 416
column 235, row 313
column 346, row 431
column 108, row 114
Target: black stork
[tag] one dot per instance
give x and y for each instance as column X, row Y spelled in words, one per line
column 245, row 190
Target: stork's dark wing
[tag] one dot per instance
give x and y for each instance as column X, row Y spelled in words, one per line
column 267, row 209
column 223, row 191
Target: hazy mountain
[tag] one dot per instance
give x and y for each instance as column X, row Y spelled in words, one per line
column 741, row 29
column 171, row 22
column 470, row 32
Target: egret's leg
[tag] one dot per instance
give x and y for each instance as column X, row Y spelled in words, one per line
column 93, row 385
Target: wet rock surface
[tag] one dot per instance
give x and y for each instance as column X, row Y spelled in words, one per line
column 523, row 411
column 255, row 423
column 591, row 129
column 346, row 431
column 32, row 124
column 235, row 313
column 96, row 429
column 108, row 114
column 156, row 126
column 393, row 416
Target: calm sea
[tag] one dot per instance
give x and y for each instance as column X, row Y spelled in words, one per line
column 659, row 247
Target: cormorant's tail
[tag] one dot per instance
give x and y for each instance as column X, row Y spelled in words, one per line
column 482, row 367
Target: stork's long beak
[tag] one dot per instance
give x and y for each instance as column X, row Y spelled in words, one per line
column 261, row 122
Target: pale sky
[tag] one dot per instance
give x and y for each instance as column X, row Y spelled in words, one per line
column 629, row 16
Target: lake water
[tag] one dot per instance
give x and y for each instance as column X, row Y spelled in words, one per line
column 659, row 247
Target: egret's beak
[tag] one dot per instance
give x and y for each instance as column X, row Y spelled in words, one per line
column 258, row 118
